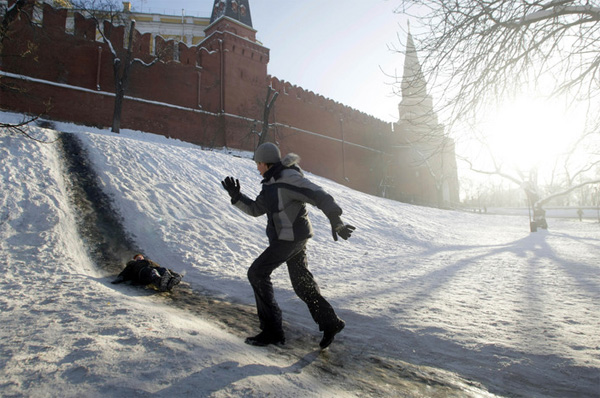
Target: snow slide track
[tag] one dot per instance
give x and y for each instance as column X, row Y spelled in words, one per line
column 359, row 372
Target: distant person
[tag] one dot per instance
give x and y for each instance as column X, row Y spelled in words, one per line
column 143, row 271
column 285, row 192
column 580, row 214
column 539, row 216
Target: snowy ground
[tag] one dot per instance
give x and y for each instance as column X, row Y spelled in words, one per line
column 437, row 303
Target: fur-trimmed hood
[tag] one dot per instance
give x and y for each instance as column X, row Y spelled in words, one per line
column 291, row 159
column 286, row 166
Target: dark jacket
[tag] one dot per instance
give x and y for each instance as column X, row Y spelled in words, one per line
column 285, row 192
column 137, row 271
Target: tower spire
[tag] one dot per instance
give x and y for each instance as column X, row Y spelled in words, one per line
column 413, row 81
column 238, row 10
column 416, row 106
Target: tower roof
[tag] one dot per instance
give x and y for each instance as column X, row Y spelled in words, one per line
column 416, row 105
column 413, row 81
column 238, row 10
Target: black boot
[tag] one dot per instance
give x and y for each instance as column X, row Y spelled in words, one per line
column 174, row 281
column 265, row 338
column 330, row 332
column 164, row 281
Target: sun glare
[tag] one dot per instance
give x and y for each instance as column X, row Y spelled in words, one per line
column 527, row 132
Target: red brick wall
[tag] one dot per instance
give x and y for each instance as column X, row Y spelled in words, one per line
column 182, row 97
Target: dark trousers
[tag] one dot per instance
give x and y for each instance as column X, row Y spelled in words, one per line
column 150, row 275
column 303, row 282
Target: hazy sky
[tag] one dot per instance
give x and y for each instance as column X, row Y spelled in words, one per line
column 337, row 48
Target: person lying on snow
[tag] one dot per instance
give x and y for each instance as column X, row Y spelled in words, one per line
column 142, row 271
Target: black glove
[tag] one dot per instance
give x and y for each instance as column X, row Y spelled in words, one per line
column 343, row 230
column 232, row 187
column 339, row 228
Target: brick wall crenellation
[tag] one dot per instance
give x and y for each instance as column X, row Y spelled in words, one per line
column 211, row 94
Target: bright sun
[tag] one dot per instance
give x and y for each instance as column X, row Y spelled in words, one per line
column 528, row 132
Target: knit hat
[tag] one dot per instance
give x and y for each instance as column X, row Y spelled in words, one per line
column 267, row 153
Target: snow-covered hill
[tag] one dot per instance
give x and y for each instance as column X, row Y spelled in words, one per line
column 437, row 303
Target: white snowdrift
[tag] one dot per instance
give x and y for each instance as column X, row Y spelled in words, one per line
column 515, row 312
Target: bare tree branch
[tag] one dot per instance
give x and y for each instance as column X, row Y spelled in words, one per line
column 106, row 14
column 21, row 128
column 478, row 51
column 477, row 54
column 566, row 191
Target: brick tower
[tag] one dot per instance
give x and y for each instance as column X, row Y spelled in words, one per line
column 242, row 66
column 426, row 160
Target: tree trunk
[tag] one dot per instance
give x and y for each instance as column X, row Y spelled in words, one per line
column 10, row 15
column 268, row 105
column 121, row 82
column 116, row 124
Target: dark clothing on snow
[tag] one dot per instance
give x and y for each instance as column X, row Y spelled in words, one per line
column 303, row 282
column 285, row 192
column 146, row 272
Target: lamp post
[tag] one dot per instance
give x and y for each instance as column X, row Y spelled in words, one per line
column 598, row 201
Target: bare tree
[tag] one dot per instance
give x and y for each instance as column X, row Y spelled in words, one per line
column 263, row 134
column 479, row 53
column 107, row 14
column 9, row 15
column 479, row 50
column 269, row 102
